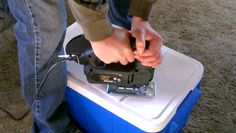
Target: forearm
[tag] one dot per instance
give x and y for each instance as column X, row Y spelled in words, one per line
column 92, row 16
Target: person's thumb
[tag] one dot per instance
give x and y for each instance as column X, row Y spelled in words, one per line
column 139, row 35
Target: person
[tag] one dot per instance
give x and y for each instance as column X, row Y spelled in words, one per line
column 40, row 31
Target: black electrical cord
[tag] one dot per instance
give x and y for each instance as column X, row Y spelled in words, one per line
column 71, row 58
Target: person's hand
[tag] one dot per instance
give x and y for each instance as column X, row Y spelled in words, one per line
column 115, row 48
column 142, row 31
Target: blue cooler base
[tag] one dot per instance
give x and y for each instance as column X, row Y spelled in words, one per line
column 95, row 119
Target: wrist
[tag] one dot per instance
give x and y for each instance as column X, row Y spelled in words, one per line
column 138, row 20
column 141, row 8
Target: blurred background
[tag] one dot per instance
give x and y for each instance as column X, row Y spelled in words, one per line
column 202, row 29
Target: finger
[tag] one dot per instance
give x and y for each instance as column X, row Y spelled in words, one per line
column 116, row 61
column 106, row 61
column 152, row 34
column 155, row 45
column 152, row 64
column 123, row 61
column 155, row 42
column 140, row 40
column 130, row 57
column 110, row 61
column 147, row 53
column 151, row 51
column 147, row 59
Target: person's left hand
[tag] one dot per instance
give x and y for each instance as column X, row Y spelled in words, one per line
column 143, row 31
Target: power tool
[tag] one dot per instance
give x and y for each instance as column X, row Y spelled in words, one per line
column 133, row 78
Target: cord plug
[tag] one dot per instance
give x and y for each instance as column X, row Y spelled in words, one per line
column 72, row 57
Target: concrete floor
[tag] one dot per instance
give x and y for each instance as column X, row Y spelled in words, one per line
column 202, row 29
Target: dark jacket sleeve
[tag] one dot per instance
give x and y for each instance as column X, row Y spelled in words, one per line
column 93, row 20
column 93, row 17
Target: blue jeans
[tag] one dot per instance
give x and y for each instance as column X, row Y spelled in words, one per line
column 39, row 30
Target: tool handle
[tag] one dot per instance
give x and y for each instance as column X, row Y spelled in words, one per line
column 133, row 43
column 95, row 61
column 82, row 47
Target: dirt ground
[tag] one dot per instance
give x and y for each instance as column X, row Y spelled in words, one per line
column 202, row 29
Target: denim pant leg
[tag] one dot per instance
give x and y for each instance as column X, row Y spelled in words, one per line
column 118, row 13
column 39, row 31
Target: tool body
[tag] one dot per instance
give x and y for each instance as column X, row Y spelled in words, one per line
column 133, row 78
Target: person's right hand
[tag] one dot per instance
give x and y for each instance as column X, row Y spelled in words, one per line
column 115, row 48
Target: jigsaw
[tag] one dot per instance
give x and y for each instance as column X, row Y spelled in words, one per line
column 130, row 79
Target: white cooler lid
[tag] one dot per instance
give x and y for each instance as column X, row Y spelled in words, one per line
column 176, row 76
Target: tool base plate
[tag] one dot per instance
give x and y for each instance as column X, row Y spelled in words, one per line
column 146, row 90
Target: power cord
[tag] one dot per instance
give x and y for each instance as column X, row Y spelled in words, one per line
column 65, row 58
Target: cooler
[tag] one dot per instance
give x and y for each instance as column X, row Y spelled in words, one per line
column 178, row 83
